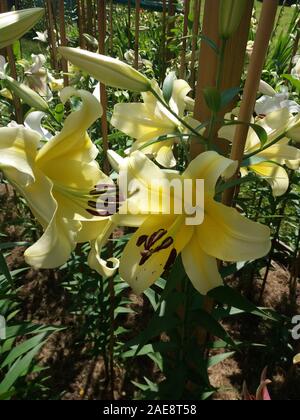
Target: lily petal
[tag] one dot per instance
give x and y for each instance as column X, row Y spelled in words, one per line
column 180, row 91
column 141, row 272
column 17, row 153
column 227, row 235
column 136, row 121
column 201, row 269
column 73, row 142
column 55, row 246
column 275, row 175
column 210, row 166
column 94, row 260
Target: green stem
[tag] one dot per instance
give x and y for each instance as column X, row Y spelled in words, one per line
column 265, row 147
column 181, row 120
column 220, row 69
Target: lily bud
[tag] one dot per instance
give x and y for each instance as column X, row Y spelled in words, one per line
column 29, row 96
column 107, row 70
column 266, row 89
column 231, row 13
column 13, row 25
column 115, row 160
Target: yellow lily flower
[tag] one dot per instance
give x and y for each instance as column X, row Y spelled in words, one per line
column 149, row 120
column 60, row 182
column 276, row 124
column 224, row 234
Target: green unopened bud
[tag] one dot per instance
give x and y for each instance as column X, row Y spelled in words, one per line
column 13, row 25
column 230, row 16
column 29, row 96
column 107, row 70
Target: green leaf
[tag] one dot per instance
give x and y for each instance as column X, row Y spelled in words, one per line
column 168, row 86
column 212, row 98
column 213, row 327
column 17, row 50
column 218, row 358
column 19, row 368
column 260, row 131
column 23, row 348
column 59, row 112
column 4, row 269
column 228, row 95
column 230, row 184
column 253, row 160
column 229, row 296
column 210, row 42
column 295, row 82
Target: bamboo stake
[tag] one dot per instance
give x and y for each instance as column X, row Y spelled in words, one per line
column 103, row 95
column 184, row 39
column 163, row 41
column 170, row 27
column 51, row 34
column 83, row 12
column 207, row 76
column 137, row 33
column 129, row 23
column 89, row 16
column 197, row 9
column 111, row 28
column 106, row 167
column 63, row 40
column 208, row 63
column 80, row 24
column 264, row 32
column 13, row 70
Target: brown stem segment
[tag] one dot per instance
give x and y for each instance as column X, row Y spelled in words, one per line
column 13, row 69
column 51, row 34
column 184, row 39
column 63, row 40
column 103, row 95
column 137, row 33
column 264, row 32
column 196, row 23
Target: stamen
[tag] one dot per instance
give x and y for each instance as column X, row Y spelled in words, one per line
column 165, row 244
column 141, row 240
column 156, row 236
column 99, row 213
column 145, row 257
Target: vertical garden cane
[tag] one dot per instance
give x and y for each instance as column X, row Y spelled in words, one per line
column 195, row 33
column 13, row 69
column 137, row 33
column 257, row 60
column 233, row 65
column 63, row 40
column 51, row 33
column 80, row 24
column 104, row 126
column 209, row 75
column 184, row 39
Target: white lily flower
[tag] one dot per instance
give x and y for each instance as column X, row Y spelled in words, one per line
column 41, row 36
column 267, row 104
column 296, row 70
